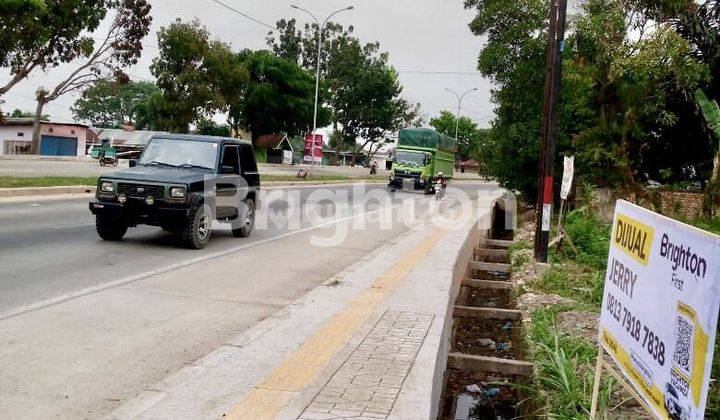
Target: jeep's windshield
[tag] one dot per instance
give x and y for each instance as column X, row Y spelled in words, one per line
column 186, row 153
column 410, row 158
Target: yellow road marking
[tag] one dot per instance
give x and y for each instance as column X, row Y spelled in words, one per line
column 268, row 398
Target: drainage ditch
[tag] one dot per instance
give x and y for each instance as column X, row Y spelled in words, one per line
column 485, row 371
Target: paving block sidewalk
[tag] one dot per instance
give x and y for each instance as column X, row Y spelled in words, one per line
column 369, row 343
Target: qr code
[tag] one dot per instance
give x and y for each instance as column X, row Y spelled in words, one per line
column 684, row 333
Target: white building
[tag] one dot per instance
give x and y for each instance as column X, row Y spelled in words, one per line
column 56, row 138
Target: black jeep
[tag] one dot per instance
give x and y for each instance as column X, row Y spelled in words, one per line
column 181, row 183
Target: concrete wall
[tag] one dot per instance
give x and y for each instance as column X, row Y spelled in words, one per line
column 477, row 233
column 14, row 133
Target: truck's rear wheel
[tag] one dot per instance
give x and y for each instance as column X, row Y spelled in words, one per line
column 196, row 232
column 110, row 228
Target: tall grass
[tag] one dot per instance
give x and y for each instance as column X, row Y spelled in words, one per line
column 564, row 371
column 574, row 282
column 590, row 237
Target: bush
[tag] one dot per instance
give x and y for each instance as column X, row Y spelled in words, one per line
column 590, row 237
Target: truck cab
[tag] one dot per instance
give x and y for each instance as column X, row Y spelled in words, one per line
column 419, row 156
column 181, row 183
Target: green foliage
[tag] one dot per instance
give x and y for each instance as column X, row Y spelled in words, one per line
column 41, row 34
column 279, row 96
column 208, row 127
column 563, row 377
column 17, row 113
column 45, row 181
column 199, row 77
column 710, row 111
column 470, row 137
column 713, row 405
column 590, row 237
column 360, row 87
column 625, row 99
column 574, row 282
column 109, row 104
column 187, row 89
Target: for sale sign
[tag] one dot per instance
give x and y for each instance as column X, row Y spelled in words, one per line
column 660, row 309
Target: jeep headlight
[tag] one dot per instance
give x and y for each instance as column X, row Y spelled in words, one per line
column 107, row 187
column 177, row 192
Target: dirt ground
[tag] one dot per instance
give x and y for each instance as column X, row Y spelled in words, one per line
column 489, row 298
column 580, row 324
column 487, row 338
column 496, row 400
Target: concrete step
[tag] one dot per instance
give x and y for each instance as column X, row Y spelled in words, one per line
column 488, row 284
column 490, row 253
column 498, row 242
column 486, row 266
column 489, row 364
column 487, row 313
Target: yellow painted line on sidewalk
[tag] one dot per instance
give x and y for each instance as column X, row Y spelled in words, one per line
column 267, row 399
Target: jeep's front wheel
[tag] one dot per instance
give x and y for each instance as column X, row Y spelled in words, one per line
column 246, row 222
column 196, row 231
column 110, row 228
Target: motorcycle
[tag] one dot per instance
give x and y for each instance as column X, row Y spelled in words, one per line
column 108, row 161
column 439, row 190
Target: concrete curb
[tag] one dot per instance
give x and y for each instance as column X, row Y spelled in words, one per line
column 42, row 191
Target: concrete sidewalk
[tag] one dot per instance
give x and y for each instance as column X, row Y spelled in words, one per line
column 371, row 342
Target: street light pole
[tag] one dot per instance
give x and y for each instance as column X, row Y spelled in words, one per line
column 460, row 99
column 321, row 28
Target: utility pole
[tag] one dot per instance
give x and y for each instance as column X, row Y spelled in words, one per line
column 321, row 28
column 546, row 165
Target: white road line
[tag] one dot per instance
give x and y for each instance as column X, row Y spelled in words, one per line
column 131, row 279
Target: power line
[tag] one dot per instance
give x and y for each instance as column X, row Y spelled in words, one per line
column 245, row 15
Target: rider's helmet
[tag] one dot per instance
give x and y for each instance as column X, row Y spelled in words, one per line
column 440, row 173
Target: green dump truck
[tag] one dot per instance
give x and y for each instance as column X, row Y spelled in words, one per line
column 420, row 154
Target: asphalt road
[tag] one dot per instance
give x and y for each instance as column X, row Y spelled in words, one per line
column 98, row 344
column 50, row 248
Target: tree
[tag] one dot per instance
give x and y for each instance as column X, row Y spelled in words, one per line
column 362, row 90
column 187, row 91
column 623, row 98
column 109, row 104
column 209, row 127
column 41, row 34
column 469, row 135
column 17, row 113
column 198, row 77
column 278, row 97
column 121, row 47
column 301, row 46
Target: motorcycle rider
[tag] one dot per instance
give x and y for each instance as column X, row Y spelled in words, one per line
column 374, row 167
column 442, row 179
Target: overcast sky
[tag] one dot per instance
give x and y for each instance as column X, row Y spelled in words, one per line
column 428, row 40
